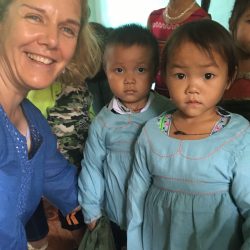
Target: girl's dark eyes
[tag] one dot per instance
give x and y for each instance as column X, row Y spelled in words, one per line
column 208, row 76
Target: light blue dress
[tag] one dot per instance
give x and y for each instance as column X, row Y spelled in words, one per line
column 108, row 156
column 25, row 179
column 191, row 194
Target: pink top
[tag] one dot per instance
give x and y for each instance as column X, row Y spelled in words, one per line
column 239, row 90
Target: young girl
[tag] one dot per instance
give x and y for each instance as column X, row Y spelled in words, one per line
column 237, row 98
column 189, row 187
column 130, row 62
column 163, row 21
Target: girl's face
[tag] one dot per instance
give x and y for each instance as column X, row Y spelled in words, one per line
column 129, row 73
column 242, row 35
column 196, row 82
column 38, row 39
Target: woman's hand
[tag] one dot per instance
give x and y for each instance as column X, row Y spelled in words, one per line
column 77, row 209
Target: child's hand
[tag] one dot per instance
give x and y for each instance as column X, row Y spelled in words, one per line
column 92, row 225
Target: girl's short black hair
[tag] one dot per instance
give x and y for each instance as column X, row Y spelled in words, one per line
column 207, row 35
column 240, row 6
column 134, row 34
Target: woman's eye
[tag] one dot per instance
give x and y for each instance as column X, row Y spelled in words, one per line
column 208, row 76
column 69, row 31
column 141, row 69
column 118, row 70
column 180, row 76
column 34, row 18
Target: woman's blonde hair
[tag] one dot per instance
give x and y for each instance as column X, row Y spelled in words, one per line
column 87, row 60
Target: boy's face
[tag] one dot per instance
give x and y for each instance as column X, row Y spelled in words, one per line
column 196, row 82
column 129, row 72
column 242, row 35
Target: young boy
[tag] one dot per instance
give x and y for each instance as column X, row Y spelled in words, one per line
column 130, row 62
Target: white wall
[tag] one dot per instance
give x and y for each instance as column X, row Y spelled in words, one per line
column 113, row 13
column 116, row 12
column 221, row 11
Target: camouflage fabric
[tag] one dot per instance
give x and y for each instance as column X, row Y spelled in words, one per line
column 70, row 121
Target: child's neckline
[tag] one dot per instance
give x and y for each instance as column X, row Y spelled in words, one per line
column 181, row 132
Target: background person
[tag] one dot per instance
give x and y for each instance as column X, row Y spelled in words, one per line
column 98, row 84
column 163, row 21
column 237, row 97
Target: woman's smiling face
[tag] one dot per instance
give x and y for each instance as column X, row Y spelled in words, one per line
column 38, row 39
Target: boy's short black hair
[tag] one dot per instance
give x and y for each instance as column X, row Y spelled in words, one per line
column 134, row 34
column 207, row 35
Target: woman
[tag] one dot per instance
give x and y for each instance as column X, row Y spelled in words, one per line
column 38, row 40
column 66, row 105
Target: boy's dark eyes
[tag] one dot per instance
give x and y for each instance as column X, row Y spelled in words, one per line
column 118, row 70
column 141, row 69
column 180, row 76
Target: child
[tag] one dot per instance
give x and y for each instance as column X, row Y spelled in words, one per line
column 237, row 98
column 189, row 188
column 98, row 85
column 130, row 62
column 163, row 21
